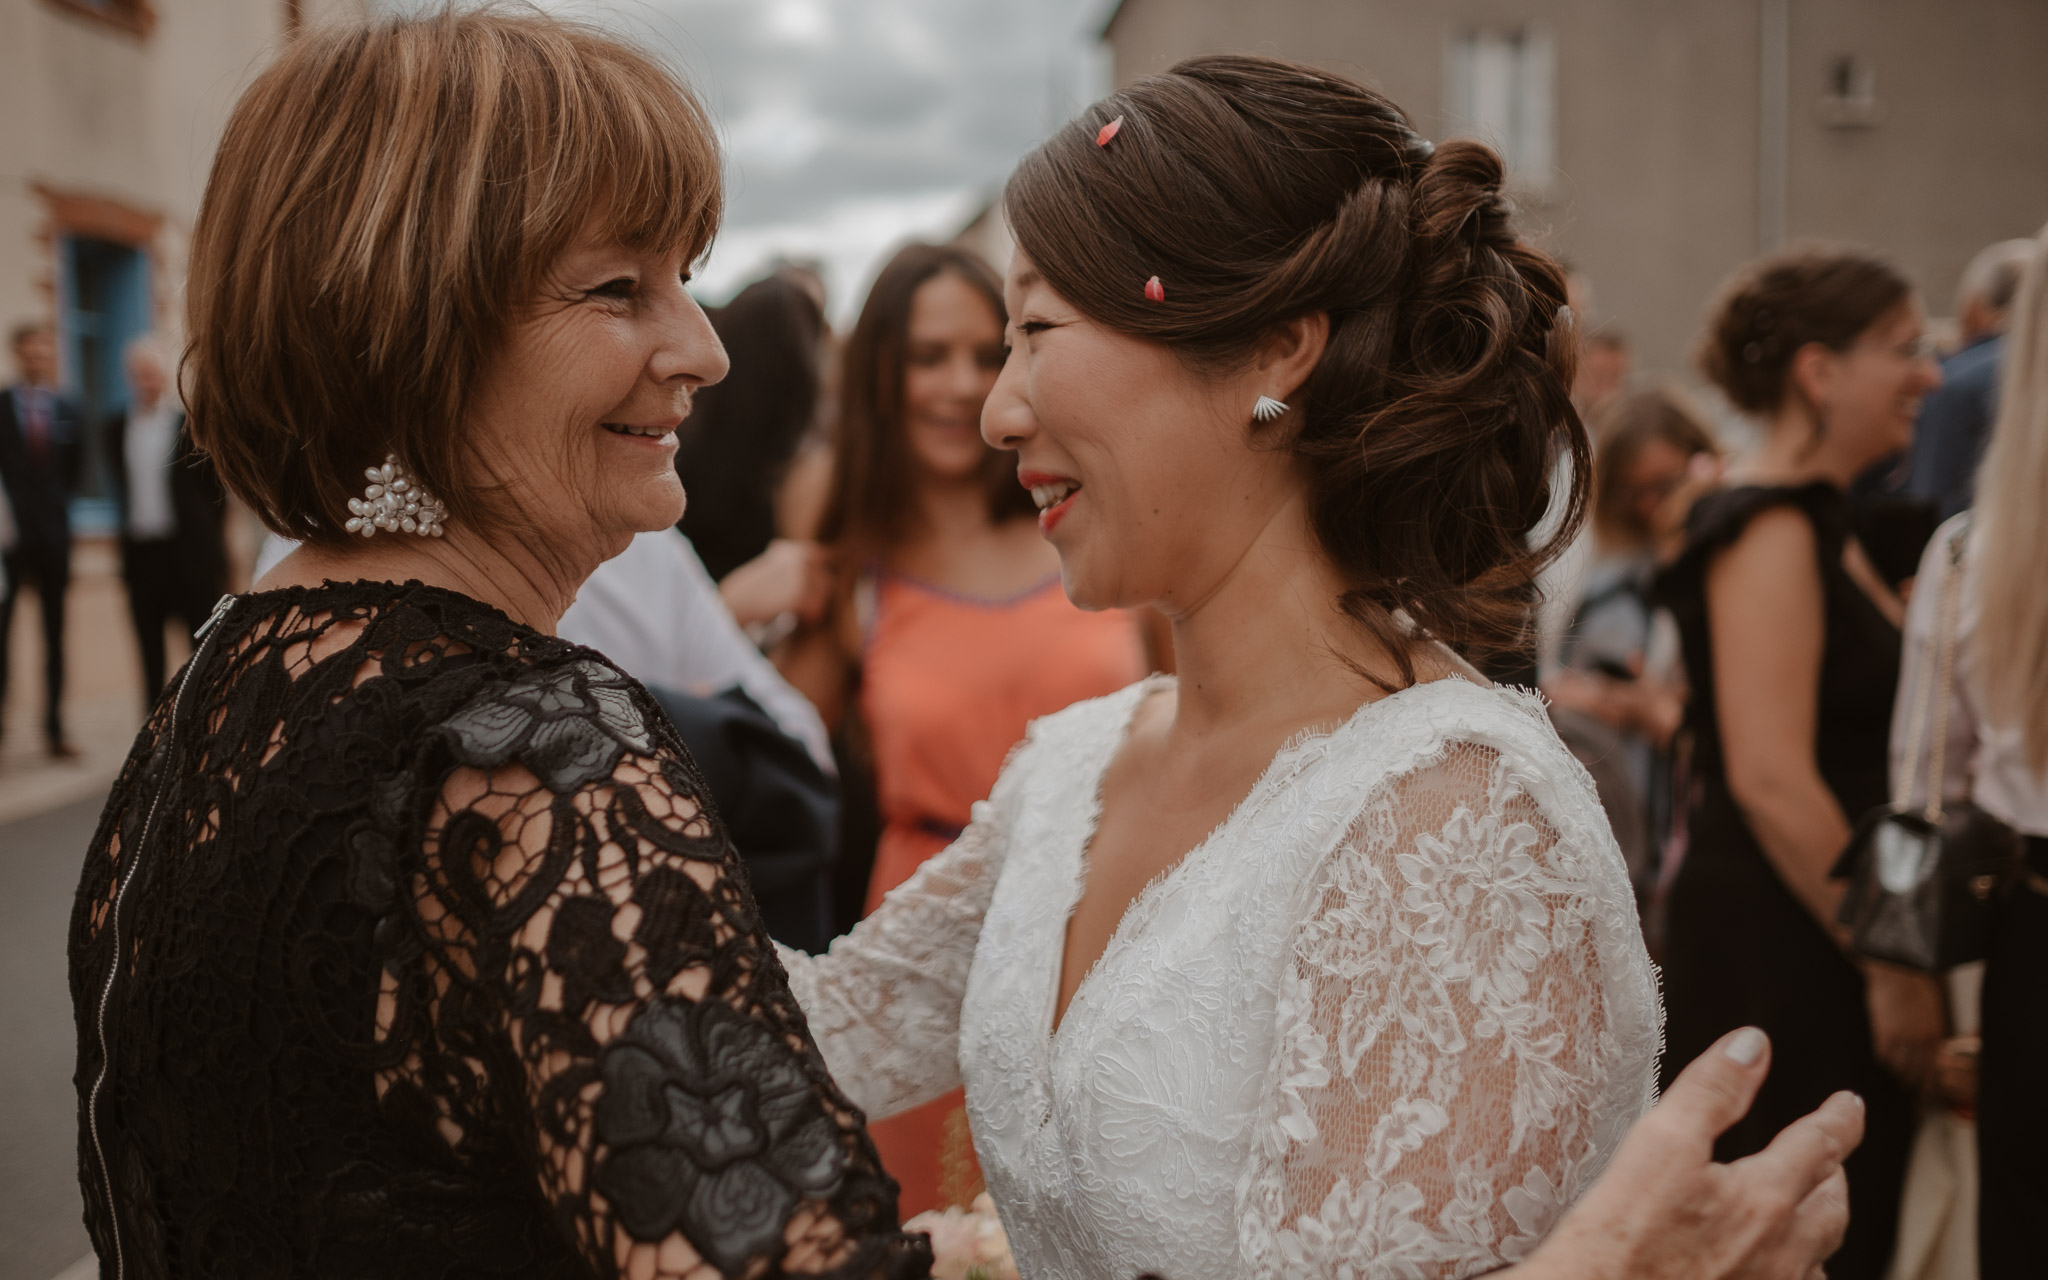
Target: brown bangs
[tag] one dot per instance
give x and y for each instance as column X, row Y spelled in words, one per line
column 385, row 201
column 634, row 145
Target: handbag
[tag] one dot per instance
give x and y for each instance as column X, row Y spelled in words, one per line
column 1922, row 882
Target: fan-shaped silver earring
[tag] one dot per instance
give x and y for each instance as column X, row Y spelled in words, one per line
column 1267, row 409
column 396, row 504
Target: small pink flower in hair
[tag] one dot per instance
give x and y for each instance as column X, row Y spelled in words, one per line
column 1154, row 290
column 1108, row 131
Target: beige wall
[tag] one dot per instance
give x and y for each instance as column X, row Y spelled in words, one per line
column 92, row 110
column 1658, row 124
column 1960, row 158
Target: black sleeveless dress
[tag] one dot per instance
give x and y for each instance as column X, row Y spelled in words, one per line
column 434, row 960
column 1739, row 947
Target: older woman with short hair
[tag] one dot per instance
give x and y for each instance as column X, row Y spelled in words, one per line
column 433, row 957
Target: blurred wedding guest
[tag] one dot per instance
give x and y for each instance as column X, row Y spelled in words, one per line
column 1956, row 417
column 1996, row 755
column 1791, row 650
column 950, row 632
column 171, row 507
column 7, row 537
column 1649, row 449
column 1605, row 360
column 1605, row 363
column 743, row 432
column 40, row 456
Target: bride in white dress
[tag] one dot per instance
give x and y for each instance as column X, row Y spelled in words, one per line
column 1320, row 959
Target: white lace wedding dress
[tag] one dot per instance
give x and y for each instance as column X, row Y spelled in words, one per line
column 1388, row 1020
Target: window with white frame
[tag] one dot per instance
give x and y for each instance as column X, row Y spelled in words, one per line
column 1500, row 85
column 137, row 17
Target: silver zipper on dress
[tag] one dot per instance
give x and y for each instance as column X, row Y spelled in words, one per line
column 92, row 1100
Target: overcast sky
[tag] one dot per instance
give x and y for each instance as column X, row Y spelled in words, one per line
column 851, row 125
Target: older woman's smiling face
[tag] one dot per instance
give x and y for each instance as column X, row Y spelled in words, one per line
column 576, row 417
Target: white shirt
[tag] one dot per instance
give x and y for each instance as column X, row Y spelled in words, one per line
column 151, row 441
column 1986, row 756
column 1388, row 1019
column 654, row 610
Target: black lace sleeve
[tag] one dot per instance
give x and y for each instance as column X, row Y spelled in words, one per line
column 583, row 926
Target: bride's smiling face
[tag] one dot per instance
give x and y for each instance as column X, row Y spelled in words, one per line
column 1149, row 480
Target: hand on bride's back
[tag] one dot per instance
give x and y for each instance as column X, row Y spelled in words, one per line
column 1664, row 1210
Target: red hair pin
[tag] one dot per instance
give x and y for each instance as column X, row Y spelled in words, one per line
column 1154, row 290
column 1108, row 131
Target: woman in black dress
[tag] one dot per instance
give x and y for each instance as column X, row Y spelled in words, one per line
column 1791, row 645
column 410, row 944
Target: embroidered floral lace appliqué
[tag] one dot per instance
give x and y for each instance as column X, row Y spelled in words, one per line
column 1387, row 1021
column 439, row 963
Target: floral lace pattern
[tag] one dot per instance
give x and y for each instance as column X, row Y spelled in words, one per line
column 1388, row 1020
column 439, row 963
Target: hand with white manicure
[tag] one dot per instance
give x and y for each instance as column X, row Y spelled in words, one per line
column 1664, row 1210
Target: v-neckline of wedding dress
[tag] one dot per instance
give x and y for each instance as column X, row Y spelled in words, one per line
column 1394, row 1011
column 1137, row 911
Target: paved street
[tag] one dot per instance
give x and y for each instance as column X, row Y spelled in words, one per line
column 47, row 813
column 103, row 690
column 40, row 1232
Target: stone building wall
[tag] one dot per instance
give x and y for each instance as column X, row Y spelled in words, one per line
column 1661, row 184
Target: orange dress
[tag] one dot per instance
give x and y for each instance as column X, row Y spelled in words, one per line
column 948, row 685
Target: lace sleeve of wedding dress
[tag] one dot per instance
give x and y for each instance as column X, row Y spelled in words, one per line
column 589, row 959
column 884, row 1002
column 1463, row 1031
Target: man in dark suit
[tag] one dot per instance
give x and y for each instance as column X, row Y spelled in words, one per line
column 39, row 462
column 172, row 509
column 1955, row 418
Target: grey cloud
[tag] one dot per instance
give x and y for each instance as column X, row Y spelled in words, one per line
column 879, row 102
column 828, row 101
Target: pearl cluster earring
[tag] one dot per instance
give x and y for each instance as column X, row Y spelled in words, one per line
column 395, row 504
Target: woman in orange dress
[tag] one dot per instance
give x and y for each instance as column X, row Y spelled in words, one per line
column 948, row 684
column 950, row 633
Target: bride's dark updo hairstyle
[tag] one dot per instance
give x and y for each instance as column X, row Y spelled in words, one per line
column 1260, row 191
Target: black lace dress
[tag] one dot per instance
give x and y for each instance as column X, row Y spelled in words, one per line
column 1739, row 948
column 435, row 961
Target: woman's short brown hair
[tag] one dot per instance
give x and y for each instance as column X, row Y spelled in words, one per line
column 384, row 204
column 1260, row 191
column 1777, row 305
